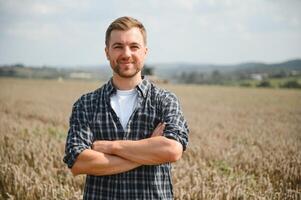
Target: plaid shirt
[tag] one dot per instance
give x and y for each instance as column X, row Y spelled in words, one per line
column 94, row 119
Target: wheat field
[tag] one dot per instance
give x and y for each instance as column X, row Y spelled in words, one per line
column 245, row 143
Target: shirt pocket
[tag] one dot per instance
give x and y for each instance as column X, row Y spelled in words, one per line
column 147, row 120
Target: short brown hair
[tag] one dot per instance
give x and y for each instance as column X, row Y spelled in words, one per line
column 124, row 24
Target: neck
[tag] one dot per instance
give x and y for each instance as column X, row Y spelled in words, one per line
column 126, row 83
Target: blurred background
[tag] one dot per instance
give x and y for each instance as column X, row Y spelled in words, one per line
column 190, row 41
column 234, row 65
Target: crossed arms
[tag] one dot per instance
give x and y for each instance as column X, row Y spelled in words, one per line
column 113, row 157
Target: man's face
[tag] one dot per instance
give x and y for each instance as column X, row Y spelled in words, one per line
column 126, row 52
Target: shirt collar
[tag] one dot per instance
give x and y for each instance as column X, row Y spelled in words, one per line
column 110, row 89
column 142, row 87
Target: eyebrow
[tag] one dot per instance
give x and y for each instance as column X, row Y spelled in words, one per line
column 119, row 43
column 135, row 43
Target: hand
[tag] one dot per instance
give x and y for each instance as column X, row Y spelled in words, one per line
column 103, row 146
column 159, row 129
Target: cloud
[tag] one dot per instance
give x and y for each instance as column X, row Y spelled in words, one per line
column 45, row 9
column 32, row 32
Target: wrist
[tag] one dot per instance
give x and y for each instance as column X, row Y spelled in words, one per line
column 115, row 147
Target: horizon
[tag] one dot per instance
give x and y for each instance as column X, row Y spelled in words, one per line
column 149, row 64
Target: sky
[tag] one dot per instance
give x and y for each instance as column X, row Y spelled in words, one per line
column 71, row 32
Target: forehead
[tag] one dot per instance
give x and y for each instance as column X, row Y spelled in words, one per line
column 132, row 35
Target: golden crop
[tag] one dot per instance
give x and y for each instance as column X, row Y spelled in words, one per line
column 244, row 143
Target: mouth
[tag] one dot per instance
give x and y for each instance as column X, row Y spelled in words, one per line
column 125, row 63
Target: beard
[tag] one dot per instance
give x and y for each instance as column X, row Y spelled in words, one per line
column 126, row 72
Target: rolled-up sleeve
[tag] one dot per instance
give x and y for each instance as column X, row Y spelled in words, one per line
column 79, row 135
column 176, row 126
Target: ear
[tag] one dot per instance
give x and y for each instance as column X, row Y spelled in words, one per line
column 107, row 53
column 146, row 51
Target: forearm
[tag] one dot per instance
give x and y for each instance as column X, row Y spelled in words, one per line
column 96, row 163
column 150, row 151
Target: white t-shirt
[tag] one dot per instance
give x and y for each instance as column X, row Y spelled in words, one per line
column 123, row 103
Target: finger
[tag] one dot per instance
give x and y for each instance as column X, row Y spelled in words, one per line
column 156, row 130
column 162, row 127
column 155, row 133
column 159, row 129
column 158, row 126
column 93, row 145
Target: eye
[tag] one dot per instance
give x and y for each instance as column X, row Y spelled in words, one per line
column 117, row 47
column 135, row 47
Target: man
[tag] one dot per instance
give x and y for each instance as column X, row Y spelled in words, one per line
column 125, row 134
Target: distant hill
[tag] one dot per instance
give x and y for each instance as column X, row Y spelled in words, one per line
column 169, row 71
column 267, row 68
column 87, row 73
column 291, row 64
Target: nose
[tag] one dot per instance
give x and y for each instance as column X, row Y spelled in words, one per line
column 127, row 52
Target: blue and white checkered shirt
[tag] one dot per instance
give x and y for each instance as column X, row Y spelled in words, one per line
column 94, row 119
